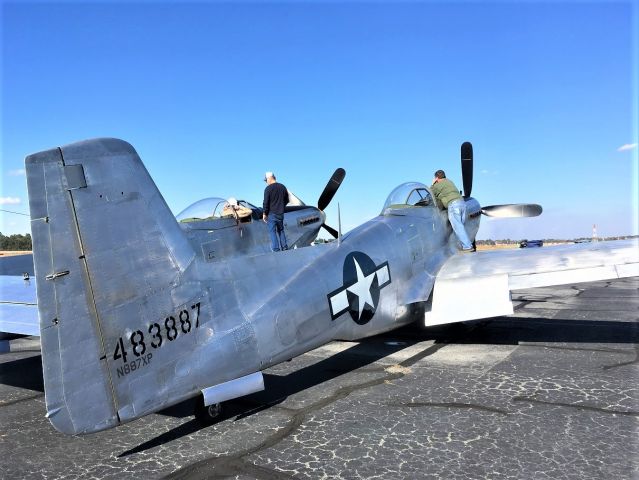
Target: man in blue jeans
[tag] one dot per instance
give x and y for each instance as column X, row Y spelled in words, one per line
column 275, row 199
column 448, row 197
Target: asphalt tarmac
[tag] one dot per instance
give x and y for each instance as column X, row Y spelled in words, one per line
column 548, row 393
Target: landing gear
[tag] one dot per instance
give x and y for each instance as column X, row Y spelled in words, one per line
column 207, row 414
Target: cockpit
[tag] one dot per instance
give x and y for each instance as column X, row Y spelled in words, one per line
column 214, row 208
column 407, row 195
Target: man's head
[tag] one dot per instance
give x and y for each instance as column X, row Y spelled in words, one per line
column 439, row 175
column 269, row 177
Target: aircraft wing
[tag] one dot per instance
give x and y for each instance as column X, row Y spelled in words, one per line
column 18, row 304
column 474, row 286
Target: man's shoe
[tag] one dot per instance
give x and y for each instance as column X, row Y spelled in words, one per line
column 466, row 250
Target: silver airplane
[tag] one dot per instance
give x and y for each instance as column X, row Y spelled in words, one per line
column 135, row 315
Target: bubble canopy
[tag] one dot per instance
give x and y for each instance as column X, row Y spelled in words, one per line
column 410, row 194
column 212, row 208
column 205, row 208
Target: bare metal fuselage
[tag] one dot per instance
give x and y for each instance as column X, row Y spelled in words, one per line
column 264, row 309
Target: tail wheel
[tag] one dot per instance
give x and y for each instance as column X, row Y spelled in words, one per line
column 207, row 414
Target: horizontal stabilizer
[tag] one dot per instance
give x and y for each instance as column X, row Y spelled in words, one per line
column 18, row 309
column 512, row 210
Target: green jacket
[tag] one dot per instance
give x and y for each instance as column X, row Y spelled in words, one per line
column 445, row 192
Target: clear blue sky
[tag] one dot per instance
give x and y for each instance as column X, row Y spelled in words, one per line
column 213, row 94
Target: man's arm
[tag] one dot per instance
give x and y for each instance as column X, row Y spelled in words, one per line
column 436, row 190
column 267, row 201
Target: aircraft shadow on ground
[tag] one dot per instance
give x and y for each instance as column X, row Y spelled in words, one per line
column 513, row 331
column 277, row 389
column 23, row 373
column 27, row 372
column 501, row 331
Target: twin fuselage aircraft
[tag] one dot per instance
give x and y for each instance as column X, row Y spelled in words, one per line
column 139, row 311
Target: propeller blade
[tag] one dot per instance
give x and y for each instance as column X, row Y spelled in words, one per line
column 330, row 230
column 331, row 188
column 513, row 210
column 467, row 167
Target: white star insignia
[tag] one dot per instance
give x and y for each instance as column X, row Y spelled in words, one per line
column 338, row 299
column 362, row 288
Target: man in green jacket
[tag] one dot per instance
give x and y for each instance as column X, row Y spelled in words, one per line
column 447, row 197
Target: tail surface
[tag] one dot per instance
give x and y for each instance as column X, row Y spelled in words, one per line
column 107, row 250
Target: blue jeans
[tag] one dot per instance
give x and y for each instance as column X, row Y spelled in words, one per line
column 276, row 231
column 457, row 217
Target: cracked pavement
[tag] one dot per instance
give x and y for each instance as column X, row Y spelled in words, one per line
column 549, row 392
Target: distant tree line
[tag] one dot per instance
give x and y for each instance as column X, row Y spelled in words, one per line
column 15, row 242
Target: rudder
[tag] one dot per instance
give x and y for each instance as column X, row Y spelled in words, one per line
column 104, row 243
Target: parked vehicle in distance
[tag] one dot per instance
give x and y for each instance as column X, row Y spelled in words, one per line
column 531, row 243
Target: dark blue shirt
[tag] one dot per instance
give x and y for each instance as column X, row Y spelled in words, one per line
column 275, row 198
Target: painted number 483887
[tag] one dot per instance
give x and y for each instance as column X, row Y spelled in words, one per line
column 181, row 323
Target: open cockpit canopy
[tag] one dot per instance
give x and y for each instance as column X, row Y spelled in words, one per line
column 205, row 209
column 409, row 194
column 212, row 208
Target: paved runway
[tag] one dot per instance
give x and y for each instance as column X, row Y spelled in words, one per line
column 549, row 393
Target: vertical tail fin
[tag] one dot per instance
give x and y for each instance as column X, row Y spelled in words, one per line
column 104, row 242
